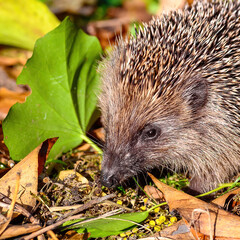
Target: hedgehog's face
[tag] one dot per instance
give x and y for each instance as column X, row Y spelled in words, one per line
column 143, row 132
column 149, row 113
column 145, row 148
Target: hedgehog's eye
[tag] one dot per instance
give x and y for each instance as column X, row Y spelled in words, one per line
column 150, row 133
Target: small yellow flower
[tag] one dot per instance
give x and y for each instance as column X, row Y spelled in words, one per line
column 156, row 210
column 145, row 200
column 157, row 228
column 161, row 220
column 140, row 234
column 122, row 235
column 119, row 202
column 143, row 208
column 128, row 233
column 152, row 223
column 173, row 219
column 158, row 222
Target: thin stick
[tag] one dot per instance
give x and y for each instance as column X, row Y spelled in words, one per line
column 52, row 235
column 11, row 208
column 18, row 208
column 87, row 205
column 80, row 209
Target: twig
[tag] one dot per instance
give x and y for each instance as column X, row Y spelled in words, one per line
column 18, row 208
column 64, row 208
column 11, row 208
column 52, row 235
column 67, row 218
column 87, row 205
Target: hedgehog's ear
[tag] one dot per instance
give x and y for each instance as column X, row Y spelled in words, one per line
column 196, row 93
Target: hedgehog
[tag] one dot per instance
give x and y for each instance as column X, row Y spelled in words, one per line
column 170, row 97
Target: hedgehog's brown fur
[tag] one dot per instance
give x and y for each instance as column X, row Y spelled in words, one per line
column 181, row 76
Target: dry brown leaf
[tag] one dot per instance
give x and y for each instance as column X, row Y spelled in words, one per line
column 73, row 235
column 8, row 61
column 73, row 6
column 28, row 169
column 13, row 56
column 220, row 201
column 9, row 98
column 99, row 133
column 84, row 147
column 12, row 205
column 13, row 231
column 205, row 219
column 169, row 5
column 67, row 173
column 107, row 30
column 178, row 231
column 14, row 71
column 118, row 22
column 153, row 192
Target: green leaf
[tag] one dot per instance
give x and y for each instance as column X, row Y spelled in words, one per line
column 109, row 226
column 22, row 22
column 63, row 79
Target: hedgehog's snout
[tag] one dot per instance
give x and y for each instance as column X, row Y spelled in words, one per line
column 109, row 172
column 109, row 180
column 114, row 168
column 110, row 175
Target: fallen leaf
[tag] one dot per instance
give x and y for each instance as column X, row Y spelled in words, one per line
column 73, row 6
column 73, row 235
column 7, row 61
column 67, row 173
column 221, row 201
column 169, row 5
column 118, row 22
column 83, row 147
column 178, row 231
column 3, row 219
column 205, row 219
column 13, row 56
column 99, row 133
column 28, row 168
column 13, row 231
column 8, row 99
column 153, row 192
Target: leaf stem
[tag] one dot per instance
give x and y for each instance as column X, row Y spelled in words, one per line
column 88, row 140
column 156, row 206
column 231, row 185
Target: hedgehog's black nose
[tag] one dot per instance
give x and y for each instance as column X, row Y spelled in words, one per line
column 108, row 180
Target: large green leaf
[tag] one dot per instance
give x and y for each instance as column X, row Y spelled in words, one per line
column 109, row 226
column 22, row 22
column 63, row 79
